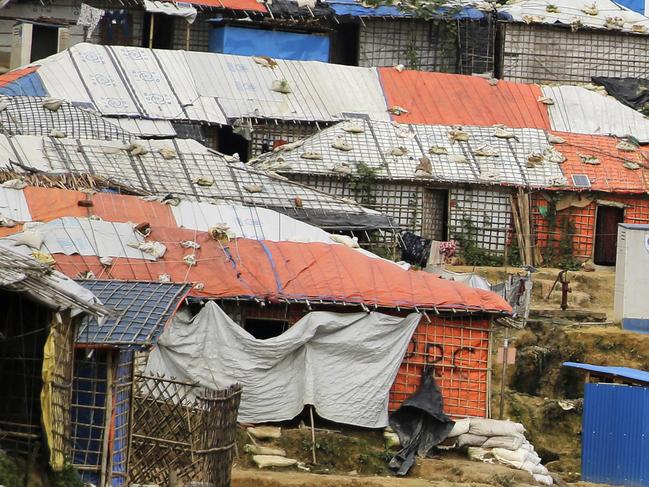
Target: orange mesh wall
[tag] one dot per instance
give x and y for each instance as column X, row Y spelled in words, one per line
column 582, row 222
column 459, row 351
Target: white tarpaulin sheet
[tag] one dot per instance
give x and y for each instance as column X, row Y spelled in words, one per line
column 342, row 364
column 185, row 10
column 13, row 205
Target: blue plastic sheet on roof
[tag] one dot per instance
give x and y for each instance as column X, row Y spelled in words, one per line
column 141, row 310
column 245, row 41
column 621, row 372
column 635, row 5
column 353, row 8
column 28, row 85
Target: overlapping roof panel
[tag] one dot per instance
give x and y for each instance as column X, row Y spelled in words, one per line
column 606, row 164
column 140, row 311
column 379, row 143
column 588, row 14
column 446, row 99
column 190, row 171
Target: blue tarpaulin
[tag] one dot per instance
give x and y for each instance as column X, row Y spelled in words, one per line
column 628, row 373
column 354, row 8
column 28, row 85
column 636, row 5
column 246, row 41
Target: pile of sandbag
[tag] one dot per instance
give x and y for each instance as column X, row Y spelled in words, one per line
column 491, row 440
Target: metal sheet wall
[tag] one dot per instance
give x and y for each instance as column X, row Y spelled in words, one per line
column 615, row 435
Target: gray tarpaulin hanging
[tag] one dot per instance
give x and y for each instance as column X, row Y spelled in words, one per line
column 177, row 9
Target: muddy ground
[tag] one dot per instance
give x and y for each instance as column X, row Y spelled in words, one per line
column 539, row 393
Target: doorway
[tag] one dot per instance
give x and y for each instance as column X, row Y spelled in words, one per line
column 163, row 31
column 435, row 215
column 608, row 218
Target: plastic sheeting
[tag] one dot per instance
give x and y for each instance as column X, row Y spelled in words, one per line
column 245, row 41
column 342, row 364
column 633, row 92
column 355, row 8
column 184, row 10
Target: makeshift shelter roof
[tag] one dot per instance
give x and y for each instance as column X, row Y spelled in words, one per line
column 25, row 115
column 440, row 98
column 206, row 87
column 33, row 204
column 277, row 271
column 185, row 168
column 625, row 373
column 600, row 14
column 600, row 160
column 23, row 273
column 395, row 151
column 140, row 311
column 21, row 82
column 447, row 99
column 456, row 9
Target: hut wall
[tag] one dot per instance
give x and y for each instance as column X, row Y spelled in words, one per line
column 286, row 131
column 573, row 229
column 483, row 215
column 198, row 33
column 546, row 54
column 458, row 348
column 463, row 47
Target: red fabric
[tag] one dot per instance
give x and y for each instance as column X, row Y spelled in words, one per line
column 610, row 174
column 12, row 76
column 250, row 5
column 449, row 99
column 289, row 270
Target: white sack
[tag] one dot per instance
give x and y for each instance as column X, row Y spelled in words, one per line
column 543, row 479
column 343, row 364
column 507, row 442
column 494, row 427
column 467, row 439
column 460, row 427
column 516, row 458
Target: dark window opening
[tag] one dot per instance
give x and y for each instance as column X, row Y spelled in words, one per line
column 262, row 328
column 163, row 31
column 45, row 41
column 230, row 143
column 608, row 218
column 345, row 44
column 117, row 28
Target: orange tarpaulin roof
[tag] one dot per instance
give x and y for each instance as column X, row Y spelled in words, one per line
column 610, row 174
column 12, row 76
column 288, row 270
column 449, row 99
column 250, row 5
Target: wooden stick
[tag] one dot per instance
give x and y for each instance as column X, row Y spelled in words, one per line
column 312, row 436
column 105, row 473
column 151, row 25
column 187, row 36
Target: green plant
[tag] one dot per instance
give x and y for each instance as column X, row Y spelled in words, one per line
column 558, row 249
column 68, row 477
column 471, row 253
column 362, row 184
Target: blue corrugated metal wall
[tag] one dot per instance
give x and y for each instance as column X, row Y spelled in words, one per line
column 615, row 435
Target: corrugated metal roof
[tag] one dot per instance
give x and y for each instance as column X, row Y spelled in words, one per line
column 379, row 140
column 193, row 172
column 447, row 99
column 589, row 14
column 634, row 375
column 615, row 434
column 25, row 115
column 208, row 87
column 609, row 173
column 583, row 111
column 245, row 5
column 140, row 311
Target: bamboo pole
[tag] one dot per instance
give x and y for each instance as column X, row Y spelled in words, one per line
column 312, row 436
column 105, row 474
column 187, row 35
column 151, row 26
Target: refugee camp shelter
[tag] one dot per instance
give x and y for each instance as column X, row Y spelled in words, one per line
column 615, row 433
column 542, row 39
column 605, row 186
column 41, row 313
column 441, row 181
column 104, row 367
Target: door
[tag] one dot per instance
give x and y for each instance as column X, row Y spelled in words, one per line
column 608, row 217
column 434, row 214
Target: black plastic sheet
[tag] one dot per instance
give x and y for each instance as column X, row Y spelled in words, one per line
column 633, row 92
column 420, row 423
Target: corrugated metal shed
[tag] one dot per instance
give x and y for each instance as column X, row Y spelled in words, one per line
column 376, row 146
column 446, row 99
column 592, row 15
column 583, row 111
column 140, row 311
column 615, row 435
column 207, row 87
column 193, row 172
column 609, row 173
column 627, row 373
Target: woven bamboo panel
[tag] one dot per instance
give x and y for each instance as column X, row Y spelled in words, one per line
column 182, row 428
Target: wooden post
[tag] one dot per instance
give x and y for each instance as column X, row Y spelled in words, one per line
column 312, row 435
column 151, row 26
column 108, row 411
column 504, row 373
column 188, row 31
